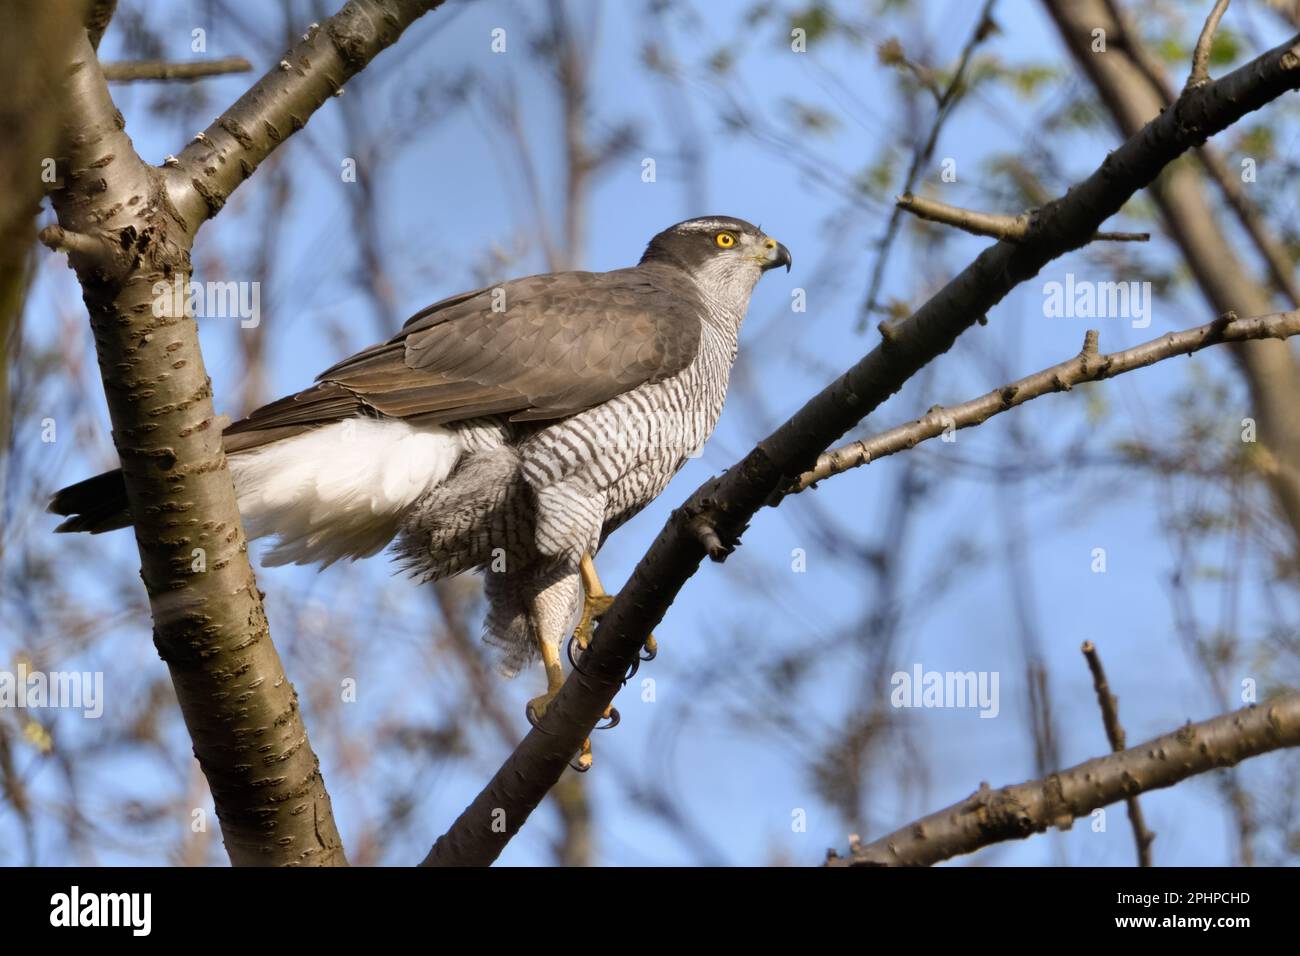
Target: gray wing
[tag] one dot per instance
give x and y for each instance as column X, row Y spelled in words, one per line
column 555, row 345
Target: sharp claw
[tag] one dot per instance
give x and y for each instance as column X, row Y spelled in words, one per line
column 532, row 716
column 613, row 717
column 651, row 652
column 582, row 762
column 536, row 708
column 573, row 661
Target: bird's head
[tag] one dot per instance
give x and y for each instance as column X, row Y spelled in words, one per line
column 718, row 249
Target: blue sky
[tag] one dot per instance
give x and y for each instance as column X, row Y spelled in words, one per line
column 454, row 191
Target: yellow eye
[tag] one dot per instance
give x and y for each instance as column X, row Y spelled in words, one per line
column 725, row 240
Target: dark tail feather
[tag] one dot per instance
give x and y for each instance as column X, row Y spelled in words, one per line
column 99, row 504
column 96, row 504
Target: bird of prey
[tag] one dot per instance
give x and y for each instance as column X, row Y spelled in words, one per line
column 511, row 428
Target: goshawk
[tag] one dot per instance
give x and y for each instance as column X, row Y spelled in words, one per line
column 511, row 428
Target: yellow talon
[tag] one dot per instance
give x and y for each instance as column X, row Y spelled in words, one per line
column 583, row 763
column 595, row 603
column 593, row 607
column 536, row 708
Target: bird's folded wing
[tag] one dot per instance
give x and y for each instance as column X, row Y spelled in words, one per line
column 537, row 348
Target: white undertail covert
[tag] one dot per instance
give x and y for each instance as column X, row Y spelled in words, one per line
column 340, row 491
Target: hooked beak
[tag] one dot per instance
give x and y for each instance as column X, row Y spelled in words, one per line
column 777, row 255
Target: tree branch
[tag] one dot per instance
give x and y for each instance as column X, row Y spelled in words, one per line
column 727, row 503
column 1013, row 813
column 1087, row 366
column 166, row 70
column 1247, row 211
column 983, row 28
column 226, row 153
column 1142, row 837
column 1123, row 78
column 1013, row 228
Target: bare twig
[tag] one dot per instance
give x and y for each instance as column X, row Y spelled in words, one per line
column 1013, row 228
column 1251, row 217
column 127, row 72
column 1201, row 55
column 571, row 70
column 1115, row 735
column 58, row 239
column 1087, row 366
column 922, row 156
column 891, row 52
column 1011, row 813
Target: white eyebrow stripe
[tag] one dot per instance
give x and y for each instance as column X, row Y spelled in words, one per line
column 709, row 225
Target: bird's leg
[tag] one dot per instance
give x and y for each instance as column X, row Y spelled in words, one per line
column 595, row 602
column 554, row 681
column 549, row 614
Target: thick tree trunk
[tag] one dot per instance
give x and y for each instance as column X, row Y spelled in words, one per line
column 128, row 228
column 123, row 236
